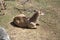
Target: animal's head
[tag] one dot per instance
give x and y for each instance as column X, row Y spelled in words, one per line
column 38, row 11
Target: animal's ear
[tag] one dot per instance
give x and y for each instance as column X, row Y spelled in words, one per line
column 39, row 11
column 35, row 10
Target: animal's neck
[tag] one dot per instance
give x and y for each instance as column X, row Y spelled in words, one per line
column 34, row 17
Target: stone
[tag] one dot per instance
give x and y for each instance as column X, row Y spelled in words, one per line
column 3, row 34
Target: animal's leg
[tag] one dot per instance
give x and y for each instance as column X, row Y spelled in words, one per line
column 31, row 25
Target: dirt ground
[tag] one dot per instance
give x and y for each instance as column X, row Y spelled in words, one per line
column 49, row 28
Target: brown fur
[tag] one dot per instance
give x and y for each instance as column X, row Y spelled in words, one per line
column 22, row 21
column 34, row 18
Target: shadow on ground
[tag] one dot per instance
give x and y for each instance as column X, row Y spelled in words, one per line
column 12, row 23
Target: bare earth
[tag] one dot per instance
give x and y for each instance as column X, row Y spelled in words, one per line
column 49, row 28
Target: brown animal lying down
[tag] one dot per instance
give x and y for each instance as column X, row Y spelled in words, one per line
column 22, row 21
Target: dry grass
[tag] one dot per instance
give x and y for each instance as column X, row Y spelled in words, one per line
column 49, row 28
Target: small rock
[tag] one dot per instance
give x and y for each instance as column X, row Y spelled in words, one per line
column 3, row 34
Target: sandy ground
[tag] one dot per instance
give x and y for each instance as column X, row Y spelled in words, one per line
column 49, row 28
